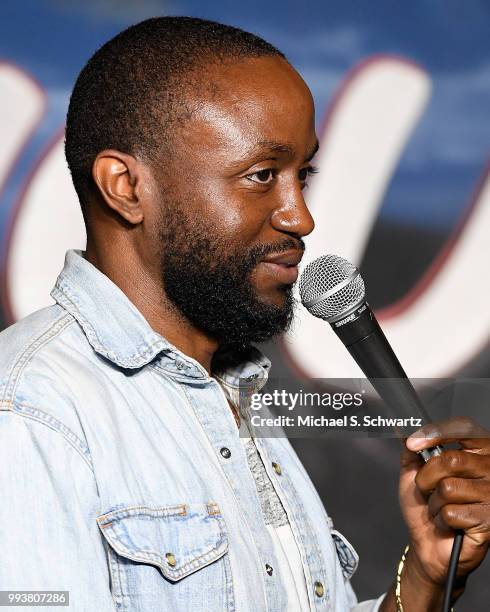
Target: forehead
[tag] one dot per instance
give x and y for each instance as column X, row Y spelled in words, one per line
column 246, row 103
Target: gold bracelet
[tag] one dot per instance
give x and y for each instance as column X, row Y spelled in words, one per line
column 398, row 592
column 398, row 597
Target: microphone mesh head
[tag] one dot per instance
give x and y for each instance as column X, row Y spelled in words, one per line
column 331, row 286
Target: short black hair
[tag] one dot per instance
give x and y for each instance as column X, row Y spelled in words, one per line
column 131, row 92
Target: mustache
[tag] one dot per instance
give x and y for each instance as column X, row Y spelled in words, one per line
column 258, row 252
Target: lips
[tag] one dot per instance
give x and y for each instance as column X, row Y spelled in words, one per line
column 289, row 258
column 283, row 266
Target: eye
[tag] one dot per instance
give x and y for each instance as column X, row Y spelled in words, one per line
column 263, row 177
column 304, row 173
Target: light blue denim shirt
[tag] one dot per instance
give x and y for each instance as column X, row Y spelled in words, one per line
column 115, row 485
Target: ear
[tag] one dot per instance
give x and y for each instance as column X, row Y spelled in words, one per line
column 117, row 175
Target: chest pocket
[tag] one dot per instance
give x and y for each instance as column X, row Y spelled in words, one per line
column 348, row 557
column 168, row 558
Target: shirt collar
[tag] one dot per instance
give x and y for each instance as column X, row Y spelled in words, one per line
column 118, row 331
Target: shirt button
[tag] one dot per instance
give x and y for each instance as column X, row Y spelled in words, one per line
column 277, row 468
column 180, row 365
column 171, row 560
column 319, row 590
column 225, row 452
column 268, row 569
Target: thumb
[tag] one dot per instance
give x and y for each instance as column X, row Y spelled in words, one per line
column 412, row 504
column 410, row 463
column 409, row 460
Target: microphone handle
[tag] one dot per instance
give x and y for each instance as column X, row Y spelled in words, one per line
column 363, row 337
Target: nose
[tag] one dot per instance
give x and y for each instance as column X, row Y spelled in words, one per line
column 292, row 215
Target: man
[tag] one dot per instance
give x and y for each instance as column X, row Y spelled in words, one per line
column 124, row 478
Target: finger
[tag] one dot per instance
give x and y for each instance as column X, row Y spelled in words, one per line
column 458, row 491
column 472, row 518
column 452, row 463
column 464, row 430
column 408, row 459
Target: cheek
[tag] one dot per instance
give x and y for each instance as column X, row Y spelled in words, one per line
column 234, row 213
column 238, row 227
column 235, row 216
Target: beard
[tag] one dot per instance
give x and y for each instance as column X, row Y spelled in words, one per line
column 209, row 281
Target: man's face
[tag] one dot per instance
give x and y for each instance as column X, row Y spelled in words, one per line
column 232, row 207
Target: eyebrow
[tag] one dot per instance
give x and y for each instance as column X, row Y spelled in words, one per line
column 270, row 146
column 313, row 151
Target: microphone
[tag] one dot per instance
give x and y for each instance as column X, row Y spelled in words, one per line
column 332, row 289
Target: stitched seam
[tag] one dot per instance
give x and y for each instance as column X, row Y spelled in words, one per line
column 150, row 555
column 177, row 376
column 178, row 510
column 118, row 586
column 230, row 587
column 56, row 328
column 63, row 294
column 56, row 426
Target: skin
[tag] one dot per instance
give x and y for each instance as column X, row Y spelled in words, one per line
column 240, row 160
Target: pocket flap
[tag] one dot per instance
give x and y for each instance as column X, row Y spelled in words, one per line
column 177, row 539
column 348, row 557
